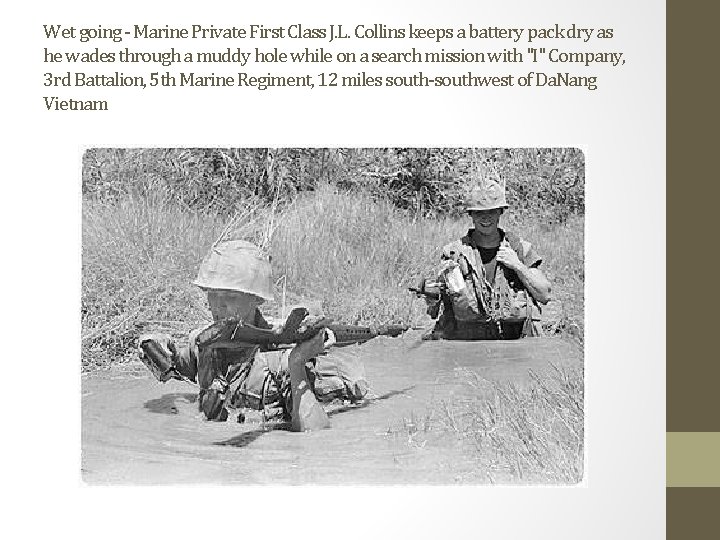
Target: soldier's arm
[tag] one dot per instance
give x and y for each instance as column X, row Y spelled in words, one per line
column 307, row 413
column 531, row 276
column 535, row 282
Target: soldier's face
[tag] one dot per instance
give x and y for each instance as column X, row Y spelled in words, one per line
column 233, row 304
column 486, row 221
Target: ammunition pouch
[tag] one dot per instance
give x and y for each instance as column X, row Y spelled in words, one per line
column 340, row 376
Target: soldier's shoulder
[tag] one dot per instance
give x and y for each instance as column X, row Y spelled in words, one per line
column 524, row 249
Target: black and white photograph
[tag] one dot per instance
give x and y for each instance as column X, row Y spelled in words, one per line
column 333, row 316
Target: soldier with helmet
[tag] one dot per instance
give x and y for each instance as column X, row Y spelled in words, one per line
column 490, row 281
column 236, row 275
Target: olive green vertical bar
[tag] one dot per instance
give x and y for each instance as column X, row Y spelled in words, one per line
column 693, row 255
column 693, row 207
column 692, row 513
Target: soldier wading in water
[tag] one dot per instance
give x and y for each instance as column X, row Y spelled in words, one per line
column 489, row 282
column 284, row 384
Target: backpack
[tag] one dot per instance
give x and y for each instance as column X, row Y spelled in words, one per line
column 338, row 376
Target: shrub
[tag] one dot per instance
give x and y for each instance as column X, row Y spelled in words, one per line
column 425, row 181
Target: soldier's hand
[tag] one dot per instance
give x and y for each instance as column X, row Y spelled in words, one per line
column 164, row 341
column 421, row 286
column 508, row 257
column 330, row 338
column 311, row 348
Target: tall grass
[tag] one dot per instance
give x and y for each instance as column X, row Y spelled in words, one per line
column 355, row 254
column 528, row 434
column 139, row 255
column 351, row 252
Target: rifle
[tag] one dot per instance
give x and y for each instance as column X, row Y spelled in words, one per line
column 233, row 333
column 433, row 291
column 429, row 288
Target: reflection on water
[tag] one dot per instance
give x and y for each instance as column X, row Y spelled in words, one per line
column 249, row 436
column 166, row 404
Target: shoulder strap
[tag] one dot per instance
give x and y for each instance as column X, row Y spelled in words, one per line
column 515, row 243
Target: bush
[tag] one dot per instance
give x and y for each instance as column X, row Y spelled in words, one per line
column 425, row 181
column 139, row 256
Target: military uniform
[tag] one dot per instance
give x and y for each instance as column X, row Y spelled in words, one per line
column 246, row 377
column 490, row 301
column 237, row 276
column 481, row 298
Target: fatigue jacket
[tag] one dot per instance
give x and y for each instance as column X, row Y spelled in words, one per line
column 251, row 378
column 246, row 376
column 487, row 308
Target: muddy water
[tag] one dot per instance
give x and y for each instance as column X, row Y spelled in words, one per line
column 138, row 431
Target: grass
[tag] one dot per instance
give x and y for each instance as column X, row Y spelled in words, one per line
column 528, row 434
column 351, row 253
column 138, row 258
column 356, row 255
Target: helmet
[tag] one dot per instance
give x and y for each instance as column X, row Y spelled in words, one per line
column 486, row 196
column 236, row 265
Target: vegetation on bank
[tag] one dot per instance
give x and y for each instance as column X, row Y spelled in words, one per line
column 354, row 254
column 428, row 182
